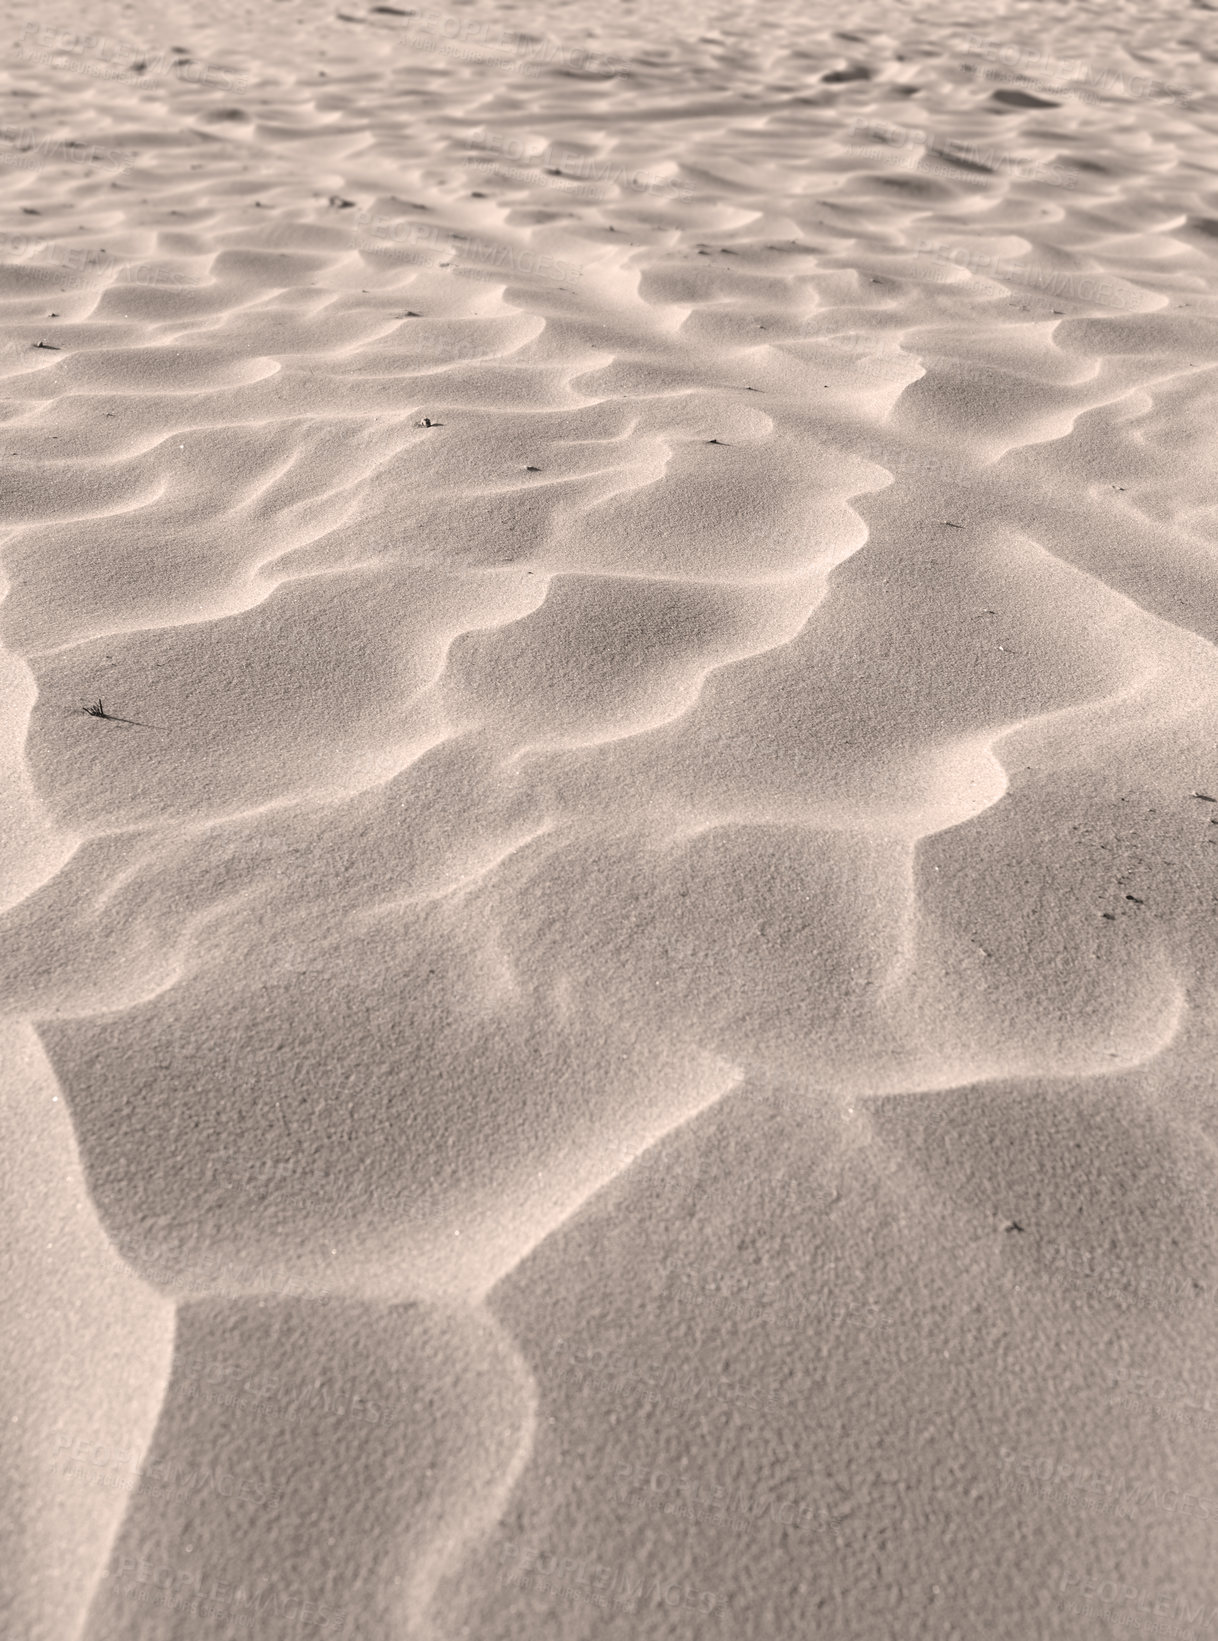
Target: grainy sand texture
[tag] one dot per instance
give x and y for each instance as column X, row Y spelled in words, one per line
column 610, row 821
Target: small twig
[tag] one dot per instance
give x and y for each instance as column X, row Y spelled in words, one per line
column 97, row 710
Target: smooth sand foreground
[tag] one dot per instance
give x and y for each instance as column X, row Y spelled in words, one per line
column 609, row 1028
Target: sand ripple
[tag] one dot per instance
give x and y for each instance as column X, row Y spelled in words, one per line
column 578, row 646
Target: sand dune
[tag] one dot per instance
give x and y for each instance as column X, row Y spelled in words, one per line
column 608, row 1028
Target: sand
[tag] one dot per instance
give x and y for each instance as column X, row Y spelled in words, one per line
column 609, row 1027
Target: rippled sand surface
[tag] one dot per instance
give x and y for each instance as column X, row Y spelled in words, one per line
column 609, row 1027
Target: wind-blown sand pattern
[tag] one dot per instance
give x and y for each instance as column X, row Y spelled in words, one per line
column 610, row 1028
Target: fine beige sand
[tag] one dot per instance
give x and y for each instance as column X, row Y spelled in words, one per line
column 610, row 1026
